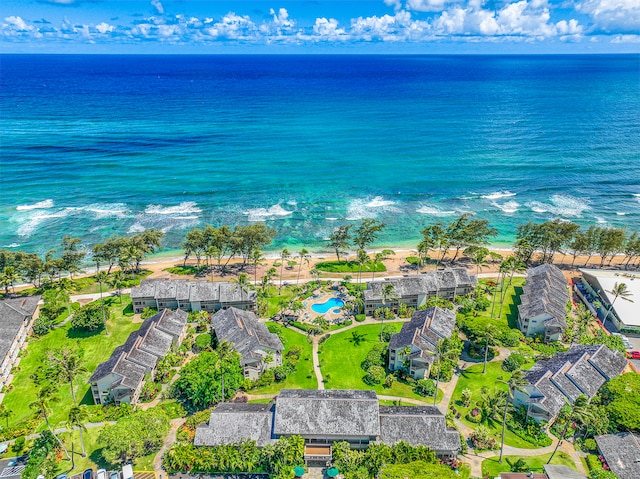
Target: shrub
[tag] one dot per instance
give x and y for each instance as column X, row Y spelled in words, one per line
column 88, row 317
column 425, row 387
column 375, row 375
column 149, row 391
column 148, row 312
column 388, row 381
column 360, row 318
column 513, row 362
column 18, row 445
column 481, row 438
column 590, row 445
column 42, row 326
column 203, row 341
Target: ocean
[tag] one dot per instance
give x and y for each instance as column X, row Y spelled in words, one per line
column 93, row 146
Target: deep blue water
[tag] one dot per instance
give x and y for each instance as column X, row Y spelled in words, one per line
column 97, row 145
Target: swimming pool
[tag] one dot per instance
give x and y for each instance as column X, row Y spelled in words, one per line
column 331, row 303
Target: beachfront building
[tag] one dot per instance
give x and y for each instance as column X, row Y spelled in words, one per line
column 191, row 295
column 543, row 303
column 622, row 453
column 120, row 378
column 554, row 382
column 415, row 290
column 16, row 321
column 595, row 289
column 322, row 417
column 414, row 347
column 259, row 349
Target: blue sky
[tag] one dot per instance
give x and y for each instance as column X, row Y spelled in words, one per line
column 322, row 26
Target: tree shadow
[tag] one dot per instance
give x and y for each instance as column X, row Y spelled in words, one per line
column 96, row 457
column 87, row 398
column 76, row 334
column 512, row 315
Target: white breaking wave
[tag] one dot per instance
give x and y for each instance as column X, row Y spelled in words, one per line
column 13, row 245
column 600, row 220
column 366, row 209
column 183, row 208
column 509, row 207
column 621, row 213
column 434, row 211
column 30, row 224
column 331, row 219
column 36, row 206
column 262, row 214
column 496, row 195
column 561, row 205
column 107, row 210
column 637, row 196
column 136, row 228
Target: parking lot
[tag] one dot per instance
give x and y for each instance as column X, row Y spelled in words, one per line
column 634, row 339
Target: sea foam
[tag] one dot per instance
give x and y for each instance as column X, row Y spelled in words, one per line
column 262, row 214
column 561, row 205
column 509, row 207
column 434, row 211
column 496, row 195
column 186, row 207
column 369, row 208
column 36, row 206
column 30, row 224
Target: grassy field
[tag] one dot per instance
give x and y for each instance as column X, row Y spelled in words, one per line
column 492, row 468
column 94, row 458
column 300, row 378
column 509, row 314
column 473, row 379
column 340, row 359
column 349, row 267
column 97, row 348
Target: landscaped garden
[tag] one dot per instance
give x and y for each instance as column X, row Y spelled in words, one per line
column 96, row 348
column 492, row 468
column 342, row 355
column 303, row 377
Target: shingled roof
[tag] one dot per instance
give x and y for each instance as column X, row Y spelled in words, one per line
column 188, row 291
column 429, row 282
column 327, row 413
column 417, row 425
column 622, row 453
column 243, row 330
column 545, row 292
column 13, row 313
column 143, row 348
column 425, row 329
column 234, row 422
column 583, row 369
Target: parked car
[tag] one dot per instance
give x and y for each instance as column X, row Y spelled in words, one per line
column 625, row 340
column 101, row 474
column 61, row 476
column 114, row 475
column 3, row 447
column 127, row 471
column 87, row 474
column 633, row 354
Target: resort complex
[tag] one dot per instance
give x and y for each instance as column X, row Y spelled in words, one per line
column 582, row 370
column 120, row 378
column 415, row 290
column 324, row 417
column 543, row 303
column 191, row 295
column 259, row 349
column 416, row 344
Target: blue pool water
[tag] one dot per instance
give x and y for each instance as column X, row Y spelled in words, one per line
column 327, row 305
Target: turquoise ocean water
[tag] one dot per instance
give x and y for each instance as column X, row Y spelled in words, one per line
column 97, row 145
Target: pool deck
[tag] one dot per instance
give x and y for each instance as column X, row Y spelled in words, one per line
column 309, row 314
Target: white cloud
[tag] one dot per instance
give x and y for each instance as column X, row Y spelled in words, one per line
column 17, row 22
column 328, row 29
column 612, row 16
column 427, row 5
column 626, row 39
column 158, row 6
column 233, row 27
column 105, row 28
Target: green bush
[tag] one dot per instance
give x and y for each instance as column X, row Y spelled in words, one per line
column 589, row 445
column 148, row 312
column 88, row 317
column 360, row 318
column 375, row 375
column 513, row 362
column 425, row 387
column 203, row 341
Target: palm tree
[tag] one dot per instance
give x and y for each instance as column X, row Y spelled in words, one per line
column 116, row 281
column 516, row 382
column 478, row 256
column 101, row 277
column 44, row 396
column 284, row 255
column 580, row 412
column 441, row 353
column 65, row 286
column 5, row 413
column 362, row 259
column 490, row 336
column 388, row 293
column 377, row 259
column 256, row 259
column 9, row 277
column 77, row 417
column 304, row 257
column 67, row 364
column 315, row 274
column 243, row 284
column 619, row 290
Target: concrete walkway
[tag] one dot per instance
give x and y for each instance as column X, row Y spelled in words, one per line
column 168, row 442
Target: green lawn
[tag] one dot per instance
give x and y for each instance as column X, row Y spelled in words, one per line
column 299, row 379
column 492, row 468
column 510, row 307
column 97, row 348
column 340, row 360
column 94, row 459
column 473, row 379
column 349, row 267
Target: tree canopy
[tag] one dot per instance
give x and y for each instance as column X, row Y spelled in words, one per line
column 622, row 398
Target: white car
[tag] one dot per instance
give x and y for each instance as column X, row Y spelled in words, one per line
column 101, row 474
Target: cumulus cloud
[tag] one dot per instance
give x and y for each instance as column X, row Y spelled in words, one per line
column 327, row 29
column 158, row 6
column 427, row 5
column 612, row 16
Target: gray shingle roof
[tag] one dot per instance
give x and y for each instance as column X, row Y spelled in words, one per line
column 622, row 453
column 13, row 313
column 234, row 422
column 425, row 329
column 427, row 283
column 187, row 291
column 243, row 330
column 545, row 292
column 417, row 425
column 327, row 413
column 172, row 321
column 555, row 471
column 574, row 372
